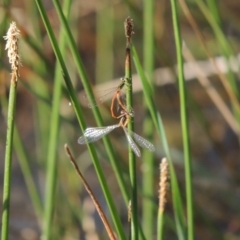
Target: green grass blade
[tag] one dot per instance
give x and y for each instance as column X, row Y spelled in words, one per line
column 8, row 160
column 213, row 7
column 146, row 87
column 184, row 121
column 160, row 225
column 177, row 203
column 53, row 137
column 26, row 169
column 148, row 221
column 96, row 112
column 223, row 41
column 28, row 177
column 227, row 51
column 131, row 155
column 80, row 118
column 12, row 42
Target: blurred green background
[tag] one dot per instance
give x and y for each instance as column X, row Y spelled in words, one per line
column 98, row 30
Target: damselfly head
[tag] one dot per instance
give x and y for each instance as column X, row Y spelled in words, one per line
column 131, row 113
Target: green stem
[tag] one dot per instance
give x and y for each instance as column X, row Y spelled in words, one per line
column 28, row 176
column 160, row 224
column 184, row 121
column 78, row 111
column 25, row 166
column 156, row 118
column 213, row 6
column 148, row 130
column 8, row 160
column 132, row 160
column 53, row 138
column 177, row 201
column 96, row 112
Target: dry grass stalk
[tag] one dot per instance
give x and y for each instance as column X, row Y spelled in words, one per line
column 200, row 37
column 87, row 187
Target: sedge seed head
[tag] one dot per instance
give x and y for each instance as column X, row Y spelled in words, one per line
column 12, row 38
column 128, row 25
column 164, row 184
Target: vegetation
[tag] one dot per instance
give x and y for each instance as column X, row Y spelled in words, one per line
column 178, row 65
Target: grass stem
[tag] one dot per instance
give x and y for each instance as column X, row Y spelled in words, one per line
column 12, row 38
column 8, row 161
column 148, row 215
column 53, row 137
column 132, row 160
column 184, row 121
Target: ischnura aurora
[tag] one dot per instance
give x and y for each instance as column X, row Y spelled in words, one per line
column 118, row 96
column 93, row 134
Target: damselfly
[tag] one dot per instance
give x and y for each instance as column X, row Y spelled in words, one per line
column 94, row 134
column 102, row 95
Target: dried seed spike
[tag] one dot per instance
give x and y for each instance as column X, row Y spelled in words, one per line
column 94, row 199
column 129, row 211
column 12, row 38
column 128, row 25
column 164, row 184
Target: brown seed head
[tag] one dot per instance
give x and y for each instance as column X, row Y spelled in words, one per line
column 12, row 37
column 129, row 211
column 128, row 25
column 164, row 184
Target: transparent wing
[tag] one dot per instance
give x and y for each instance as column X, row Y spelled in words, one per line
column 142, row 142
column 102, row 95
column 132, row 143
column 94, row 134
column 99, row 97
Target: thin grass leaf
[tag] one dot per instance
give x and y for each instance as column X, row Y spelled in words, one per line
column 12, row 41
column 128, row 25
column 179, row 217
column 148, row 214
column 177, row 202
column 96, row 112
column 184, row 121
column 50, row 186
column 78, row 110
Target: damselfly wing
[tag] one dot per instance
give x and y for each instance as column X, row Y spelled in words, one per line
column 142, row 142
column 94, row 134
